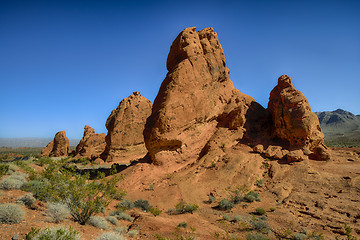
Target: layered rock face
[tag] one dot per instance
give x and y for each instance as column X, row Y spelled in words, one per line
column 91, row 145
column 293, row 121
column 59, row 146
column 195, row 97
column 125, row 125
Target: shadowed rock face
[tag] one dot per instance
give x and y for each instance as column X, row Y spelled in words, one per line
column 91, row 145
column 59, row 147
column 126, row 124
column 293, row 121
column 195, row 95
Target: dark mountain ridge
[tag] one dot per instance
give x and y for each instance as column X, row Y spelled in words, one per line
column 341, row 128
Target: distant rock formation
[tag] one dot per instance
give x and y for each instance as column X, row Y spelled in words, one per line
column 125, row 125
column 195, row 97
column 91, row 145
column 293, row 122
column 59, row 147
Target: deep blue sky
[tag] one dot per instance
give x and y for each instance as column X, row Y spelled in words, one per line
column 64, row 64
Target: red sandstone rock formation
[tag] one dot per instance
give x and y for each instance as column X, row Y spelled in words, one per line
column 125, row 125
column 293, row 121
column 195, row 97
column 59, row 147
column 91, row 145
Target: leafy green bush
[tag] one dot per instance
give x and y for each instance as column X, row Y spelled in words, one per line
column 155, row 211
column 28, row 200
column 225, row 204
column 182, row 207
column 142, row 204
column 113, row 220
column 57, row 211
column 99, row 222
column 110, row 236
column 182, row 225
column 125, row 204
column 82, row 196
column 260, row 211
column 59, row 233
column 41, row 190
column 252, row 196
column 4, row 169
column 11, row 213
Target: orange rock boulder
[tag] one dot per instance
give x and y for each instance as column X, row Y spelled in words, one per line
column 91, row 145
column 125, row 125
column 293, row 121
column 59, row 147
column 194, row 98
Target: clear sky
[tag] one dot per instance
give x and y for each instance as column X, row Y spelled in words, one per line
column 65, row 64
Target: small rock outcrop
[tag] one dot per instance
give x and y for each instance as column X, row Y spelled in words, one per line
column 91, row 145
column 60, row 146
column 293, row 122
column 195, row 97
column 125, row 125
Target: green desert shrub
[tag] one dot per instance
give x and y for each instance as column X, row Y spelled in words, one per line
column 4, row 169
column 260, row 211
column 259, row 224
column 237, row 218
column 299, row 236
column 155, row 211
column 113, row 220
column 252, row 196
column 59, row 233
column 11, row 213
column 133, row 233
column 125, row 204
column 256, row 236
column 121, row 230
column 142, row 204
column 182, row 207
column 14, row 181
column 28, row 200
column 40, row 190
column 211, row 199
column 182, row 225
column 99, row 222
column 122, row 216
column 110, row 236
column 225, row 204
column 57, row 212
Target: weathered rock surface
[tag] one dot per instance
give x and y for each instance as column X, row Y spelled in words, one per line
column 91, row 145
column 47, row 150
column 195, row 98
column 125, row 125
column 293, row 121
column 59, row 146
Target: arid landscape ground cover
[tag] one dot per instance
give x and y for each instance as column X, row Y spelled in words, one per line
column 204, row 161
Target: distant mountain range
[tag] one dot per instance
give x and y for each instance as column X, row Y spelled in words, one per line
column 30, row 142
column 341, row 128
